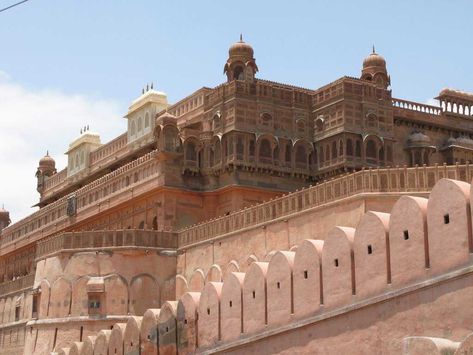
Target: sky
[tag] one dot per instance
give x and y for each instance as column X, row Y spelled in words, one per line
column 65, row 64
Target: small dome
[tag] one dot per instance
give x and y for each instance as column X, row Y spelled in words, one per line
column 47, row 162
column 418, row 139
column 241, row 48
column 374, row 60
column 460, row 141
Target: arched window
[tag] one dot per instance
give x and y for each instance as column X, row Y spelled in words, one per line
column 370, row 149
column 340, row 148
column 319, row 124
column 251, row 150
column 190, row 151
column 141, row 225
column 171, row 140
column 358, row 149
column 327, row 152
column 240, row 148
column 276, row 154
column 147, row 120
column 381, row 154
column 334, row 150
column 301, row 155
column 349, row 147
column 155, row 223
column 238, row 73
column 140, row 124
column 265, row 149
column 216, row 122
column 217, row 153
column 390, row 154
column 288, row 153
column 132, row 128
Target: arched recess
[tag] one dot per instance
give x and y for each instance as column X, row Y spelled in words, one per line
column 181, row 286
column 265, row 146
column 302, row 149
column 232, row 266
column 216, row 151
column 191, row 150
column 44, row 299
column 60, row 299
column 372, row 145
column 197, row 281
column 171, row 139
column 79, row 305
column 214, row 274
column 144, row 294
column 116, row 295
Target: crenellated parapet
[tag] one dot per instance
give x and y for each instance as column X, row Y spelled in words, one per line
column 422, row 243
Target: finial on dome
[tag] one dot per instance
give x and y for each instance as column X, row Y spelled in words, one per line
column 374, row 52
column 241, row 37
column 47, row 153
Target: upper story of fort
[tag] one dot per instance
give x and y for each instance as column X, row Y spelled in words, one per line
column 250, row 133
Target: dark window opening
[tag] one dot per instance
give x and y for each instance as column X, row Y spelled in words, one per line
column 336, row 262
column 185, row 321
column 446, row 219
column 208, row 311
column 238, row 73
column 306, row 274
column 231, row 303
column 278, row 285
column 406, row 235
column 17, row 313
column 254, row 294
column 370, row 249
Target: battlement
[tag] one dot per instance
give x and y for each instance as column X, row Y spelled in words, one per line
column 388, row 256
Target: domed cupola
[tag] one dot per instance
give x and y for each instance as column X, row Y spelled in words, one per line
column 374, row 69
column 47, row 165
column 241, row 64
column 46, row 168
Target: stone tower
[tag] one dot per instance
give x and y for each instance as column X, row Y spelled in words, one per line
column 241, row 64
column 4, row 218
column 374, row 69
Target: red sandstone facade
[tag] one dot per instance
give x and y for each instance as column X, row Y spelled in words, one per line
column 118, row 258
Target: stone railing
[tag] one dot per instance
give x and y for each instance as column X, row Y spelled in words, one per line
column 108, row 150
column 48, row 219
column 106, row 239
column 389, row 180
column 55, row 180
column 17, row 285
column 415, row 106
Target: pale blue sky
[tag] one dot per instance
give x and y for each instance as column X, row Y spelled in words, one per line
column 66, row 63
column 111, row 48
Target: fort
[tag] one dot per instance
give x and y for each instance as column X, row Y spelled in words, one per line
column 254, row 217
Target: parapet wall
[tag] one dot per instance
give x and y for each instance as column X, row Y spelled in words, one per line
column 415, row 260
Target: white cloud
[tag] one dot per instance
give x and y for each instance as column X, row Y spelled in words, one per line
column 32, row 122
